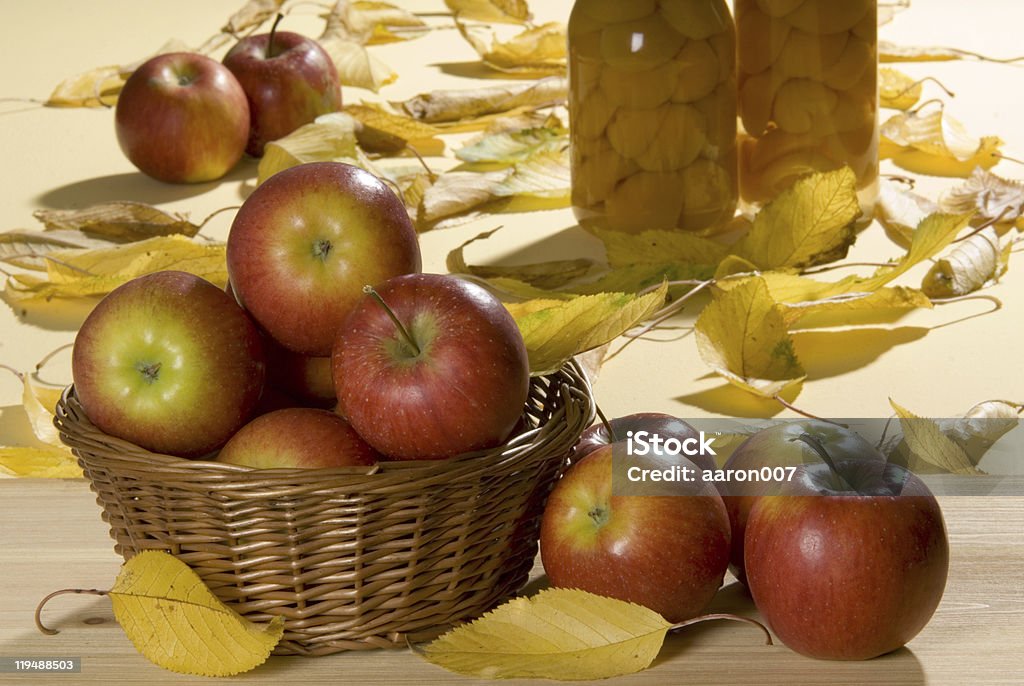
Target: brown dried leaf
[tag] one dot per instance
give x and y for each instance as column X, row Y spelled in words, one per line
column 991, row 197
column 121, row 221
column 389, row 133
column 373, row 23
column 455, row 105
column 537, row 51
column 355, row 65
column 251, row 15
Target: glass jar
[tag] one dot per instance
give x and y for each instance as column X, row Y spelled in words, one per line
column 652, row 111
column 808, row 94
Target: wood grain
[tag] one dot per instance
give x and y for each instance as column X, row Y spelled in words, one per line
column 53, row 538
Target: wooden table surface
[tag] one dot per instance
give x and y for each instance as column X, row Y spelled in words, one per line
column 53, row 538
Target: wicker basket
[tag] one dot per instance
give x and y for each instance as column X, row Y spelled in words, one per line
column 351, row 558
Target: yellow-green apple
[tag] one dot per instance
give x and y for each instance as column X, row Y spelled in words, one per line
column 849, row 561
column 429, row 366
column 781, row 445
column 645, row 425
column 289, row 81
column 304, row 244
column 297, row 437
column 169, row 362
column 666, row 552
column 182, row 118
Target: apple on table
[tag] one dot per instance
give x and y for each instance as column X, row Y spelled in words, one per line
column 182, row 118
column 169, row 362
column 288, row 79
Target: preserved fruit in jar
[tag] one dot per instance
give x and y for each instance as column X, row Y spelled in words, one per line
column 652, row 111
column 808, row 84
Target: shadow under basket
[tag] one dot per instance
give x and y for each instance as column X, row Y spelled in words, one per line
column 352, row 558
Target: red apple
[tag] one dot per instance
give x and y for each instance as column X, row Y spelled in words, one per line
column 182, row 118
column 781, row 446
column 847, row 564
column 654, row 423
column 169, row 362
column 440, row 370
column 666, row 552
column 298, row 437
column 308, row 379
column 289, row 81
column 304, row 244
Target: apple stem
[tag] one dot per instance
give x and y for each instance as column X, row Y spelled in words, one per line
column 372, row 292
column 607, row 425
column 817, row 447
column 39, row 608
column 730, row 617
column 273, row 32
column 150, row 372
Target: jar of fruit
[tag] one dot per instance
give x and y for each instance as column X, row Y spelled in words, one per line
column 808, row 102
column 652, row 110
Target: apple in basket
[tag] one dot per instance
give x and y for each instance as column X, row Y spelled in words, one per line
column 297, row 437
column 665, row 547
column 169, row 362
column 304, row 244
column 429, row 366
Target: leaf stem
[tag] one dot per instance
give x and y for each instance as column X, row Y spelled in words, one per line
column 39, row 608
column 372, row 292
column 793, row 408
column 724, row 615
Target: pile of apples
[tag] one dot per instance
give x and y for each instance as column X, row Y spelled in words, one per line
column 847, row 560
column 186, row 118
column 328, row 348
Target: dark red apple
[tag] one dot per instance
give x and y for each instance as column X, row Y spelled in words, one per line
column 781, row 445
column 430, row 366
column 298, row 437
column 304, row 244
column 666, row 552
column 182, row 118
column 308, row 379
column 654, row 423
column 289, row 81
column 847, row 563
column 169, row 362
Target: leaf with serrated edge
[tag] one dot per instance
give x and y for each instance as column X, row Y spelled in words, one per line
column 809, row 223
column 29, row 249
column 330, row 137
column 537, row 51
column 658, row 247
column 880, row 302
column 356, row 66
column 557, row 634
column 176, row 622
column 561, row 329
column 991, row 196
column 742, row 335
column 544, row 275
column 388, row 132
column 927, row 443
column 509, row 147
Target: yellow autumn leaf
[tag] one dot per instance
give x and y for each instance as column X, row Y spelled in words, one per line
column 657, row 247
column 896, row 90
column 452, row 106
column 880, row 302
column 808, row 223
column 509, row 147
column 926, row 443
column 742, row 336
column 549, row 275
column 891, row 52
column 389, row 133
column 536, row 51
column 39, row 462
column 95, row 272
column 120, row 221
column 330, row 137
column 557, row 330
column 972, row 264
column 500, row 11
column 40, row 403
column 936, row 144
column 176, row 622
column 29, row 249
column 373, row 23
column 355, row 65
column 557, row 634
column 991, row 197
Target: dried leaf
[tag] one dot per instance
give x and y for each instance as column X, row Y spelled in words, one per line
column 742, row 336
column 118, row 221
column 972, row 264
column 896, row 90
column 509, row 147
column 543, row 275
column 900, row 210
column 927, row 443
column 991, row 197
column 500, row 11
column 659, row 247
column 562, row 634
column 40, row 403
column 355, row 65
column 592, row 361
column 39, row 462
column 98, row 87
column 537, row 51
column 251, row 15
column 879, row 302
column 891, row 52
column 556, row 330
column 389, row 133
column 809, row 223
column 29, row 249
column 977, row 431
column 176, row 622
column 936, row 144
column 373, row 23
column 641, row 277
column 330, row 137
column 455, row 105
column 84, row 273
